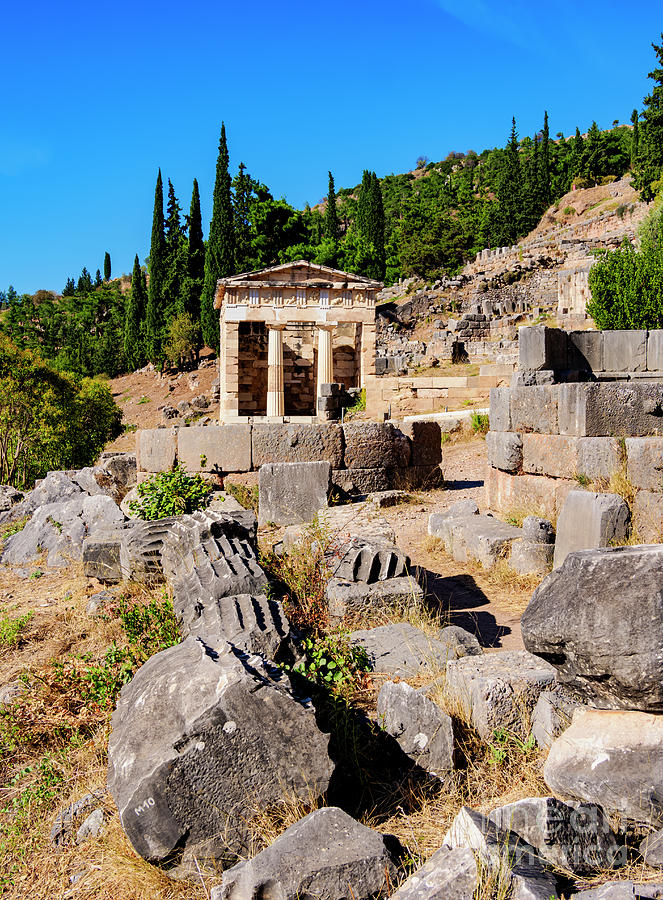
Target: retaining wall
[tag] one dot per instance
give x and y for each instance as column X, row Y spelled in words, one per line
column 548, row 439
column 364, row 456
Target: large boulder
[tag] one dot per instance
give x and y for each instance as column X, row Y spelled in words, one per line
column 202, row 739
column 599, row 620
column 401, row 649
column 327, row 854
column 423, row 731
column 497, row 690
column 613, row 758
column 291, row 493
column 447, row 875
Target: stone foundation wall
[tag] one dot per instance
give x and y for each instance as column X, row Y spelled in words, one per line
column 548, row 439
column 364, row 456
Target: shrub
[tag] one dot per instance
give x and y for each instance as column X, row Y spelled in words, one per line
column 170, row 494
column 183, row 341
column 480, row 422
column 334, row 662
column 569, row 211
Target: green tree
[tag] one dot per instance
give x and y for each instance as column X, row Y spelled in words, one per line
column 244, row 188
column 192, row 285
column 84, row 284
column 635, row 138
column 107, row 266
column 370, row 225
column 70, row 288
column 545, row 163
column 331, row 213
column 220, row 253
column 155, row 313
column 175, row 259
column 649, row 169
column 135, row 311
column 510, row 191
column 97, row 279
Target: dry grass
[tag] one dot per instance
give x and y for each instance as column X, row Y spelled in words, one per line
column 516, row 515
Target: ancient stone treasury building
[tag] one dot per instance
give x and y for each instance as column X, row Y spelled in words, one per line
column 286, row 332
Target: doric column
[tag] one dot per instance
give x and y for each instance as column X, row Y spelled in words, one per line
column 325, row 356
column 275, row 399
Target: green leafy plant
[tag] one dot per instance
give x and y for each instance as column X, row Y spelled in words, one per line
column 170, row 494
column 144, row 399
column 15, row 527
column 246, row 496
column 203, row 461
column 334, row 662
column 505, row 742
column 480, row 422
column 446, row 437
column 10, row 629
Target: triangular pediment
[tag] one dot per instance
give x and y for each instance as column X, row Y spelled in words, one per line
column 300, row 272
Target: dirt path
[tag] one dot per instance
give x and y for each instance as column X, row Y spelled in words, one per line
column 488, row 603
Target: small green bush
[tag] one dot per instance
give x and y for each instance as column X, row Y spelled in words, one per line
column 569, row 211
column 170, row 494
column 333, row 662
column 480, row 422
column 10, row 629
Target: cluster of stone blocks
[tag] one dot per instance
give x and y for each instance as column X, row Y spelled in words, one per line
column 364, row 456
column 546, row 438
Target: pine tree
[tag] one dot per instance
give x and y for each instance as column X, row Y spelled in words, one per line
column 635, row 138
column 577, row 152
column 650, row 162
column 70, row 288
column 107, row 266
column 84, row 285
column 154, row 319
column 175, row 259
column 195, row 260
column 220, row 252
column 135, row 310
column 545, row 181
column 243, row 190
column 97, row 279
column 331, row 213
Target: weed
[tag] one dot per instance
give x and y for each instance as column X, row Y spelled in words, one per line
column 170, row 494
column 129, row 429
column 10, row 629
column 582, row 479
column 334, row 662
column 144, row 399
column 203, row 461
column 480, row 422
column 516, row 514
column 36, row 574
column 358, row 406
column 505, row 742
column 15, row 527
column 446, row 437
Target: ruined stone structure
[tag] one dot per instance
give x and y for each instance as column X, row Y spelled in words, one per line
column 287, row 330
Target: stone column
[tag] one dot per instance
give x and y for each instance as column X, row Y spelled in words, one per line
column 275, row 398
column 325, row 357
column 229, row 375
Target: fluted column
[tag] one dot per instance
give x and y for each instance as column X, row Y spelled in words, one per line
column 275, row 399
column 325, row 356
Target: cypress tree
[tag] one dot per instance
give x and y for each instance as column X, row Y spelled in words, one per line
column 220, row 253
column 175, row 256
column 635, row 138
column 154, row 324
column 546, row 193
column 650, row 162
column 331, row 213
column 510, row 191
column 195, row 259
column 369, row 222
column 135, row 310
column 97, row 279
column 84, row 285
column 107, row 266
column 70, row 288
column 378, row 225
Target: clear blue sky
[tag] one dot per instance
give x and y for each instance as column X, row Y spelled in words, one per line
column 96, row 96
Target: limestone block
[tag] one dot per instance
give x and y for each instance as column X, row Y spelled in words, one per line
column 215, row 448
column 598, row 619
column 552, row 715
column 326, row 854
column 498, row 690
column 345, row 597
column 370, row 444
column 423, row 731
column 482, row 538
column 291, row 493
column 644, row 457
column 449, row 874
column 614, row 758
column 648, row 517
column 538, row 530
column 530, row 558
column 534, row 409
column 655, row 351
column 589, row 520
column 101, row 559
column 550, row 454
column 401, row 649
column 506, row 493
column 541, row 348
column 505, row 450
column 586, row 351
column 297, row 443
column 628, row 409
column 156, row 449
column 500, row 409
column 361, row 481
column 598, row 457
column 425, row 442
column 625, row 351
